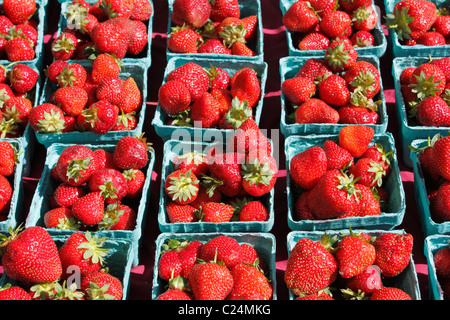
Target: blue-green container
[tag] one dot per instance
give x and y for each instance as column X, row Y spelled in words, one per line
column 167, row 132
column 41, row 6
column 118, row 261
column 137, row 70
column 389, row 219
column 172, row 148
column 15, row 209
column 431, row 245
column 407, row 130
column 144, row 57
column 417, row 50
column 429, row 226
column 247, row 8
column 289, row 67
column 264, row 244
column 406, row 281
column 46, row 186
column 378, row 49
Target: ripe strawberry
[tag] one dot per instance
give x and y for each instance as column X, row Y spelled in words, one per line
column 137, row 44
column 52, row 71
column 215, row 212
column 193, row 13
column 433, row 111
column 181, row 212
column 221, row 248
column 174, row 294
column 241, row 49
column 411, row 18
column 142, row 10
column 259, row 175
column 313, row 69
column 340, row 55
column 19, row 49
column 444, row 64
column 102, row 116
column 315, row 296
column 431, row 38
column 110, row 89
column 113, row 35
column 308, row 166
column 300, row 17
column 131, row 153
column 439, row 206
column 249, row 140
column 9, row 158
column 135, row 179
column 337, row 157
column 213, row 45
column 193, row 76
column 364, row 18
column 310, row 267
column 194, row 161
column 219, row 78
column 335, row 23
column 427, row 80
column 5, row 24
column 8, row 292
column 65, row 194
column 17, row 109
column 64, row 46
column 76, row 164
column 105, row 66
column 314, row 41
column 370, row 172
column 441, row 259
column 101, row 286
column 169, row 265
column 354, row 255
column 249, row 284
column 355, row 139
column 131, row 97
column 249, row 255
column 369, row 204
column 298, row 90
column 206, row 111
column 31, row 256
column 60, row 218
column 334, row 91
column 118, row 217
column 6, row 192
column 73, row 74
column 182, row 186
column 442, row 25
column 393, row 252
column 390, row 293
column 89, row 209
column 361, row 39
column 23, row 78
column 440, row 157
column 184, row 40
column 111, row 184
column 221, row 9
column 253, row 211
column 117, row 8
column 246, row 86
column 316, row 111
column 19, row 11
column 363, row 76
column 367, row 281
column 225, row 174
column 71, row 100
column 350, row 114
column 378, row 153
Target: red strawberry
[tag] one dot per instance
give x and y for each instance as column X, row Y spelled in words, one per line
column 142, row 10
column 184, row 40
column 340, row 55
column 181, row 212
column 221, row 9
column 111, row 184
column 367, row 281
column 5, row 24
column 221, row 248
column 310, row 267
column 249, row 140
column 370, row 172
column 259, row 175
column 315, row 296
column 355, row 139
column 73, row 74
column 334, row 91
column 76, row 164
column 439, row 206
column 131, row 153
column 337, row 157
column 17, row 109
column 135, row 179
column 440, row 157
column 71, row 100
column 314, row 41
column 182, row 186
column 241, row 49
column 364, row 18
column 316, row 111
column 89, row 209
column 393, row 252
column 249, row 284
column 427, row 80
column 193, row 76
column 213, row 45
column 102, row 116
column 193, row 13
column 131, row 97
column 219, row 78
column 441, row 259
column 203, row 197
column 105, row 66
column 300, row 17
column 298, row 90
column 65, row 194
column 194, row 161
column 215, row 212
column 253, row 211
column 361, row 39
column 113, row 35
column 19, row 11
column 139, row 41
column 19, row 49
column 433, row 111
column 378, row 153
column 101, row 286
column 117, row 8
column 60, row 218
column 6, row 192
column 174, row 294
column 52, row 71
column 308, row 166
column 118, row 217
column 9, row 158
column 350, row 114
column 110, row 89
column 169, row 265
column 369, row 204
column 64, row 46
column 31, row 256
column 390, row 293
column 363, row 76
column 246, row 86
column 313, row 69
column 8, row 292
column 442, row 25
column 335, row 23
column 23, row 78
column 205, row 111
column 431, row 38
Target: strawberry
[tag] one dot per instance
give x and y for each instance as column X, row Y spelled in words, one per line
column 364, row 18
column 221, row 9
column 249, row 140
column 111, row 184
column 310, row 267
column 184, row 40
column 334, row 91
column 5, row 24
column 182, row 186
column 110, row 89
column 194, row 161
column 203, row 197
column 169, row 265
column 340, row 55
column 65, row 194
column 337, row 157
column 315, row 296
column 192, row 13
column 213, row 45
column 442, row 25
column 17, row 109
column 370, row 172
column 101, row 286
column 137, row 44
column 19, row 11
column 73, row 74
column 298, row 90
column 441, row 259
column 60, row 218
column 246, row 86
column 118, row 217
column 174, row 294
column 367, row 281
column 249, row 255
column 355, row 139
column 308, row 166
column 393, row 252
column 9, row 158
column 6, row 191
column 83, row 250
column 105, row 66
column 249, row 284
column 350, row 114
column 253, row 211
column 314, row 41
column 52, row 71
column 378, row 153
column 433, row 111
column 117, row 8
column 313, row 69
column 431, row 38
column 361, row 39
column 369, row 204
column 411, row 18
column 390, row 293
column 131, row 153
column 439, row 206
column 219, row 78
column 71, row 100
column 205, row 111
column 440, row 157
column 215, row 212
column 300, row 17
column 354, row 255
column 31, row 256
column 187, row 254
column 181, row 212
column 89, row 209
column 221, row 248
column 102, row 116
column 142, row 10
column 363, row 76
column 335, row 23
column 427, row 80
column 23, row 78
column 64, row 46
column 8, row 292
column 19, row 49
column 193, row 76
column 241, row 49
column 135, row 179
column 259, row 175
column 112, row 36
column 316, row 111
column 76, row 164
column 104, row 159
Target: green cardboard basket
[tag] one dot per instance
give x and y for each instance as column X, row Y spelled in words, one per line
column 378, row 49
column 289, row 67
column 247, row 8
column 167, row 132
column 406, row 281
column 264, row 244
column 395, row 211
column 432, row 244
column 173, row 148
column 46, row 186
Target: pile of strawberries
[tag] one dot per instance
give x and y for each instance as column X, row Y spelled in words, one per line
column 336, row 89
column 218, row 269
column 214, row 27
column 419, row 22
column 107, row 26
column 342, row 178
column 17, row 96
column 193, row 95
column 434, row 158
column 349, row 266
column 95, row 99
column 18, row 30
column 426, row 94
column 97, row 189
column 43, row 271
column 8, row 162
column 315, row 23
column 223, row 185
column 441, row 260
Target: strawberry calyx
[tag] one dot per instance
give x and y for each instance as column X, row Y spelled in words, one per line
column 8, row 127
column 347, row 183
column 193, row 157
column 3, row 97
column 111, row 216
column 430, row 144
column 76, row 166
column 361, row 14
column 44, row 291
column 174, row 244
column 329, row 241
column 337, row 57
column 67, row 293
column 123, row 118
column 94, row 248
column 211, row 184
column 6, row 240
column 359, row 99
column 95, row 292
column 378, row 172
column 399, row 21
column 143, row 140
column 238, row 113
column 232, row 34
column 75, row 16
column 349, row 294
column 365, row 81
column 183, row 187
column 52, row 122
column 182, row 119
column 66, row 77
column 63, row 44
column 68, row 223
column 256, row 172
column 426, row 86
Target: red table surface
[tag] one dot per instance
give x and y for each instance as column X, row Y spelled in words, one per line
column 275, row 47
